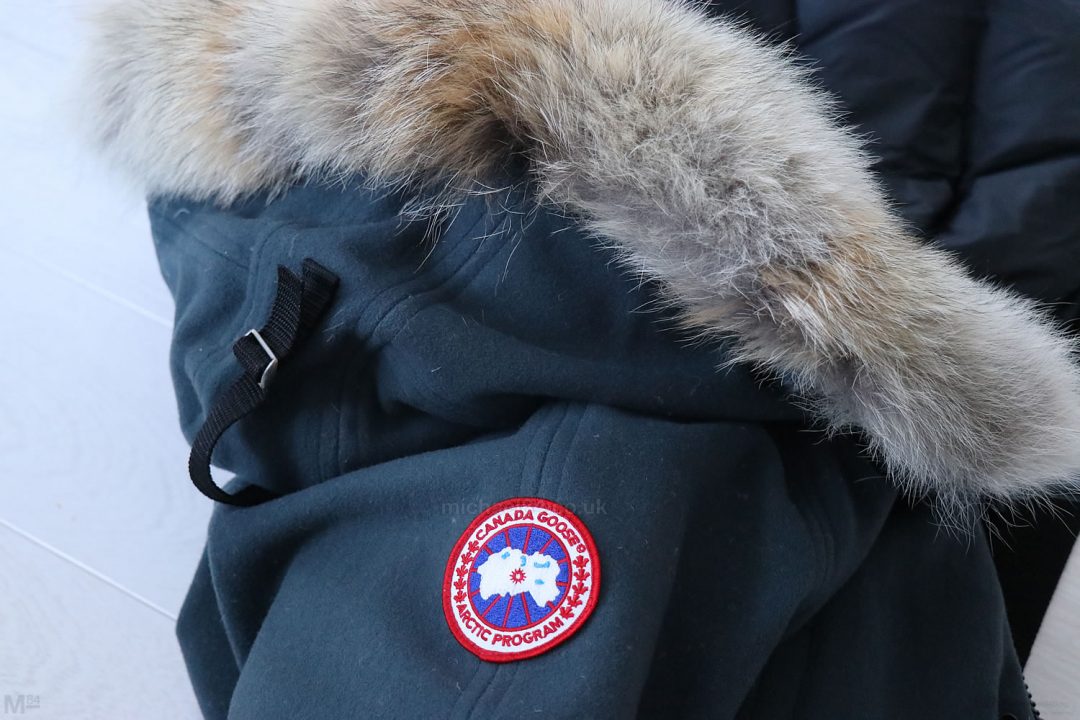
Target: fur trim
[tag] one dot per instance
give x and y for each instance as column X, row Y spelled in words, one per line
column 704, row 156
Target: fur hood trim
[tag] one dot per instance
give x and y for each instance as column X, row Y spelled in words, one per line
column 705, row 157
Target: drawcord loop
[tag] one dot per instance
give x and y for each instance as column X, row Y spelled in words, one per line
column 299, row 304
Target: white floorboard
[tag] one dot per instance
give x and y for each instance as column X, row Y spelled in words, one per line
column 100, row 529
column 73, row 648
column 91, row 456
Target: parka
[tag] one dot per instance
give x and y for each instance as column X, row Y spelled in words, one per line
column 645, row 390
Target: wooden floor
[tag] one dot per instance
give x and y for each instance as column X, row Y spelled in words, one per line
column 99, row 528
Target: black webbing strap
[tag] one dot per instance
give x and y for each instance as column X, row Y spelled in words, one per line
column 298, row 305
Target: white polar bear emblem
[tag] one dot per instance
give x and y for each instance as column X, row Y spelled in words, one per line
column 512, row 572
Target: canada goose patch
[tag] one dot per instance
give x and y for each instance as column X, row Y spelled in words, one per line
column 522, row 578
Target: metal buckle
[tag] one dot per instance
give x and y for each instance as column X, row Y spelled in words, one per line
column 271, row 367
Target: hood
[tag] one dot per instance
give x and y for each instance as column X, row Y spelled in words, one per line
column 704, row 157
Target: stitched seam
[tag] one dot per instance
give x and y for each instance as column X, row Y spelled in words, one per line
column 188, row 234
column 451, row 408
column 965, row 175
column 417, row 280
column 569, row 450
column 561, row 475
column 799, row 494
column 801, row 686
column 536, row 434
column 246, row 318
column 521, row 488
column 465, row 284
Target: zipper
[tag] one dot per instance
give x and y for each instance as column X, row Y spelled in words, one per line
column 1034, row 710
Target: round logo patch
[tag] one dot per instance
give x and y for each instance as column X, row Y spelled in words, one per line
column 521, row 579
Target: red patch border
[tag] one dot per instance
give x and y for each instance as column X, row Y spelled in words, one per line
column 451, row 563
